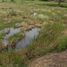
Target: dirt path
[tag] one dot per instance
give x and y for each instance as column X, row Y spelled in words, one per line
column 51, row 60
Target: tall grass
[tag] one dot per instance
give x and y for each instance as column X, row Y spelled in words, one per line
column 50, row 38
column 46, row 41
column 11, row 59
column 62, row 44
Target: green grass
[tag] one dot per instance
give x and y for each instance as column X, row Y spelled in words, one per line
column 62, row 44
column 46, row 41
column 2, row 36
column 11, row 59
column 49, row 38
column 16, row 37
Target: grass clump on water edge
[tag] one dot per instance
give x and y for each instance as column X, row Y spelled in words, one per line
column 2, row 36
column 17, row 36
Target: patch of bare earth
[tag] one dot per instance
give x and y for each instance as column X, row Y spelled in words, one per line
column 51, row 60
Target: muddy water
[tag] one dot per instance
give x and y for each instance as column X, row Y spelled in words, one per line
column 29, row 36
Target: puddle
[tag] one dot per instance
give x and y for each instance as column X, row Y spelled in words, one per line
column 6, row 30
column 29, row 36
column 12, row 31
column 9, row 32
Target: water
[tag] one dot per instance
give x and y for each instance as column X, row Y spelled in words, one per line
column 29, row 36
column 4, row 30
column 9, row 32
column 12, row 31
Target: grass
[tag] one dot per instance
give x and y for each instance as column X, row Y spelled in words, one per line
column 13, row 60
column 49, row 38
column 62, row 44
column 2, row 35
column 15, row 37
column 46, row 41
column 63, row 5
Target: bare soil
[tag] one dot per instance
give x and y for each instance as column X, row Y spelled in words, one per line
column 51, row 60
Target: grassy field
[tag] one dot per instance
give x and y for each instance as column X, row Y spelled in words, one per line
column 51, row 18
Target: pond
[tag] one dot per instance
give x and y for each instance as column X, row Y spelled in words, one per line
column 9, row 32
column 29, row 36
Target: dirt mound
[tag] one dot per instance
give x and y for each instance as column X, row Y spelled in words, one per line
column 51, row 60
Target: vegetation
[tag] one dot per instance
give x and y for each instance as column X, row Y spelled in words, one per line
column 16, row 37
column 47, row 40
column 52, row 20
